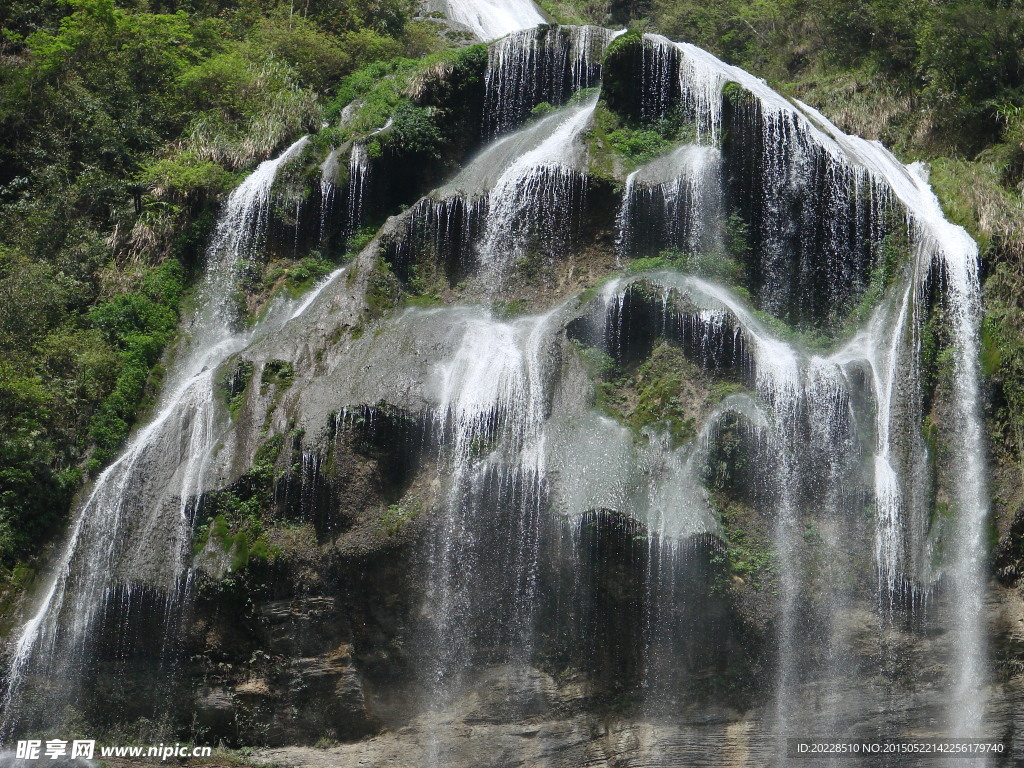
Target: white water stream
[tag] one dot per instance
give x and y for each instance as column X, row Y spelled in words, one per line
column 491, row 19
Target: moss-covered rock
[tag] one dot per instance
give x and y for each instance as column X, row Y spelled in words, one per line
column 634, row 86
column 664, row 393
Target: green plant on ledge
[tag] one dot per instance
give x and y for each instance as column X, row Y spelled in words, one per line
column 396, row 516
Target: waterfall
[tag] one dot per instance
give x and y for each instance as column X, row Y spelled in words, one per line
column 490, row 407
column 651, row 489
column 359, row 177
column 673, row 204
column 957, row 254
column 796, row 142
column 488, row 19
column 523, row 192
column 548, row 64
column 328, row 189
column 538, row 193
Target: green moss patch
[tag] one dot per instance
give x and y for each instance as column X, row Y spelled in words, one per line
column 748, row 552
column 239, row 519
column 396, row 516
column 666, row 393
column 234, row 383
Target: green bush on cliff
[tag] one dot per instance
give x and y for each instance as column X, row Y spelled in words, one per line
column 926, row 77
column 396, row 517
column 234, row 382
column 415, row 130
column 381, row 87
column 949, row 63
column 238, row 518
column 637, row 145
column 138, row 325
column 748, row 553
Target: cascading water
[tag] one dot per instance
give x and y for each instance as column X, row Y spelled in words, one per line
column 538, row 193
column 522, row 192
column 489, row 395
column 816, row 404
column 134, row 527
column 673, row 204
column 489, row 19
column 653, row 492
column 548, row 64
column 328, row 189
column 359, row 176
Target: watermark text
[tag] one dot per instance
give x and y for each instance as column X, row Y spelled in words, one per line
column 43, row 749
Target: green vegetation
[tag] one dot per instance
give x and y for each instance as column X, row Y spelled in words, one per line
column 235, row 383
column 928, row 78
column 711, row 265
column 425, row 282
column 396, row 517
column 635, row 143
column 239, row 518
column 507, row 310
column 638, row 145
column 597, row 137
column 137, row 325
column 617, row 89
column 1003, row 359
column 575, row 11
column 747, row 533
column 277, row 376
column 667, row 396
column 295, row 277
column 384, row 291
column 72, row 377
column 665, row 393
column 122, row 126
column 942, row 82
column 276, row 373
column 892, row 255
column 542, row 109
column 387, row 90
column 748, row 554
column 984, row 195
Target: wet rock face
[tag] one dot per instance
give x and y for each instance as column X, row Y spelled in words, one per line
column 319, row 697
column 493, row 730
column 295, row 687
column 297, row 670
column 547, row 65
column 646, row 503
column 640, row 80
column 327, row 642
column 576, row 462
column 804, row 266
column 303, row 643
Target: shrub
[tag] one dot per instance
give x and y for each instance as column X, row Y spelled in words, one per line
column 638, row 145
column 319, row 59
column 138, row 325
